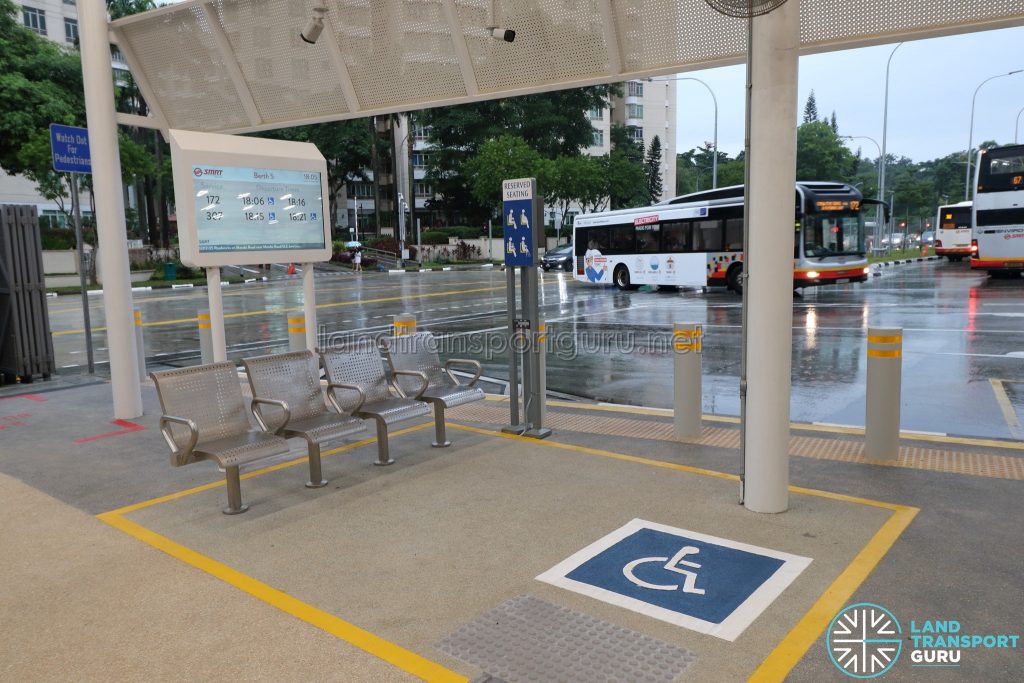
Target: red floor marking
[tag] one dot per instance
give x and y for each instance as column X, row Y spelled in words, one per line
column 129, row 427
column 27, row 397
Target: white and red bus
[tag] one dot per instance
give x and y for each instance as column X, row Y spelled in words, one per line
column 698, row 239
column 953, row 231
column 997, row 243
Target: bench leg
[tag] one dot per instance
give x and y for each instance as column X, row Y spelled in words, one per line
column 440, row 437
column 235, row 506
column 316, row 476
column 383, row 452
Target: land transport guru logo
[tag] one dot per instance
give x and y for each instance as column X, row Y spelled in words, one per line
column 864, row 640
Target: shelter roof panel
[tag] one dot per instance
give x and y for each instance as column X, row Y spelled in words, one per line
column 239, row 65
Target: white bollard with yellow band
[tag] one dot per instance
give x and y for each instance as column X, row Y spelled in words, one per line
column 296, row 331
column 882, row 416
column 404, row 324
column 687, row 344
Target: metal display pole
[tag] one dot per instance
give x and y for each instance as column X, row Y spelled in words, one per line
column 513, row 368
column 213, row 289
column 76, row 210
column 309, row 305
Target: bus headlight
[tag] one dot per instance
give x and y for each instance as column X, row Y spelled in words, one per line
column 813, row 275
column 867, row 271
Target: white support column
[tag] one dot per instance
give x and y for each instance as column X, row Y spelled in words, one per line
column 309, row 305
column 109, row 208
column 220, row 344
column 770, row 257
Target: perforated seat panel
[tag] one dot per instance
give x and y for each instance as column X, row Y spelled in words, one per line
column 327, row 427
column 240, row 449
column 454, row 396
column 394, row 410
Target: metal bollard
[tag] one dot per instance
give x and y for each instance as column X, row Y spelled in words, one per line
column 687, row 347
column 205, row 336
column 882, row 415
column 296, row 331
column 404, row 324
column 542, row 370
column 140, row 346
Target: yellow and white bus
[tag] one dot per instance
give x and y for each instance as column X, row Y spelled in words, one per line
column 697, row 239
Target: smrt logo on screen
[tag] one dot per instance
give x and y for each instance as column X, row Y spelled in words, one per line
column 207, row 171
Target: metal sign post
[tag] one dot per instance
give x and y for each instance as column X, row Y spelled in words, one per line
column 523, row 234
column 70, row 149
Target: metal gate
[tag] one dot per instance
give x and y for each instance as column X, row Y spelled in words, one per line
column 26, row 347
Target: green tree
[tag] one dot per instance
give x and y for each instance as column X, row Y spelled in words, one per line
column 652, row 171
column 624, row 166
column 811, row 109
column 499, row 159
column 40, row 84
column 821, row 154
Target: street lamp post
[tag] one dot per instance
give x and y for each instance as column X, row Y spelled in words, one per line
column 714, row 162
column 1016, row 128
column 878, row 195
column 885, row 133
column 970, row 137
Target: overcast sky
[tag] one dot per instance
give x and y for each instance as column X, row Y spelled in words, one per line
column 930, row 88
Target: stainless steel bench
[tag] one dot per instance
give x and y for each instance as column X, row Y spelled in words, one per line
column 293, row 379
column 418, row 352
column 358, row 383
column 204, row 418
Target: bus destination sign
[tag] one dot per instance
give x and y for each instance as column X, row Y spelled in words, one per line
column 838, row 205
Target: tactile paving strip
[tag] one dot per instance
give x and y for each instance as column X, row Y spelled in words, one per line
column 844, row 450
column 529, row 639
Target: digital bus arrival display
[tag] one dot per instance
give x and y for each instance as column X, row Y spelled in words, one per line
column 257, row 209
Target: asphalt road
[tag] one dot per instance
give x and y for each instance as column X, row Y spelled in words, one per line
column 963, row 365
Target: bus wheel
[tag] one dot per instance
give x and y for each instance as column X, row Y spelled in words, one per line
column 622, row 277
column 732, row 278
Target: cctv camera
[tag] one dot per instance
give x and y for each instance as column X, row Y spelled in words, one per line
column 314, row 26
column 505, row 34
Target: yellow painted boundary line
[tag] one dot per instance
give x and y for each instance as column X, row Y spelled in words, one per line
column 1009, row 414
column 404, row 659
column 395, row 655
column 781, row 660
column 796, row 426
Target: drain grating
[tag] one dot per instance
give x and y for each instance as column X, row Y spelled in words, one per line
column 529, row 639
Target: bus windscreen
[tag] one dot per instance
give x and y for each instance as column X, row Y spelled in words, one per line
column 1002, row 170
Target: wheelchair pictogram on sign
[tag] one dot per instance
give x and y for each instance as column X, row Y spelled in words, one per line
column 672, row 565
column 705, row 583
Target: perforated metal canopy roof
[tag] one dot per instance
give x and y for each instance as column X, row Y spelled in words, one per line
column 240, row 65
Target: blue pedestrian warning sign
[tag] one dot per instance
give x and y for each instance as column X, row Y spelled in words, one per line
column 709, row 584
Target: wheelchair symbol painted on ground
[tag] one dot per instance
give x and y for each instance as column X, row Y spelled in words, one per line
column 673, row 565
column 706, row 583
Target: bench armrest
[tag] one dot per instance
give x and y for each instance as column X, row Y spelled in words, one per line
column 412, row 373
column 179, row 456
column 463, row 361
column 331, row 386
column 270, row 402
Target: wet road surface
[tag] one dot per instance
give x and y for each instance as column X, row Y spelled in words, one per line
column 963, row 363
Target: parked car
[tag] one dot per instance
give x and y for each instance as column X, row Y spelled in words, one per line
column 928, row 237
column 560, row 258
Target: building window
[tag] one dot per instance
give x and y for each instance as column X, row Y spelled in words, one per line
column 423, row 190
column 596, row 114
column 71, row 30
column 360, row 190
column 635, row 89
column 419, row 159
column 420, row 132
column 634, row 111
column 598, row 140
column 35, row 19
column 636, row 133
